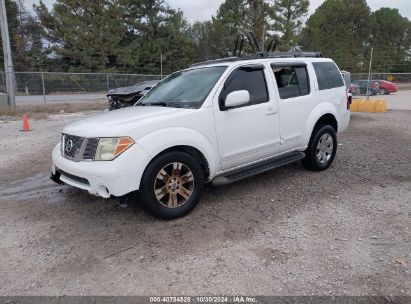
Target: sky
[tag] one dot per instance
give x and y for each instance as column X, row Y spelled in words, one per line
column 203, row 9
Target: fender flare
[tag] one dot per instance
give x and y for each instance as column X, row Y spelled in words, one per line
column 315, row 115
column 180, row 136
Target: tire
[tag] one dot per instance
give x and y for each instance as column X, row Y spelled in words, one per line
column 383, row 92
column 172, row 185
column 320, row 155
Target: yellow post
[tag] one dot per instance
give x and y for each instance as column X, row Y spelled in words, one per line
column 380, row 106
column 362, row 106
column 354, row 105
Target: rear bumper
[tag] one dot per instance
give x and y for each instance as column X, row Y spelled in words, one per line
column 344, row 121
column 389, row 89
column 105, row 179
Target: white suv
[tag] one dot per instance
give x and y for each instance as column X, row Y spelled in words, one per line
column 216, row 122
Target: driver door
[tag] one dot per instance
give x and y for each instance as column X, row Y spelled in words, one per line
column 248, row 132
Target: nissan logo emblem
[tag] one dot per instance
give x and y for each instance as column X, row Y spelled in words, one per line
column 69, row 146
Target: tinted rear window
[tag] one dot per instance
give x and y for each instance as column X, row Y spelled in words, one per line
column 328, row 75
column 292, row 81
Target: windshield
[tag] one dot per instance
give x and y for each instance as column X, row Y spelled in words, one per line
column 184, row 89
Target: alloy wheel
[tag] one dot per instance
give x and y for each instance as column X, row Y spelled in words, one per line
column 325, row 148
column 174, row 185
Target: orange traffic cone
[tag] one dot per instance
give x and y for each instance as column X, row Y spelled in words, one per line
column 26, row 126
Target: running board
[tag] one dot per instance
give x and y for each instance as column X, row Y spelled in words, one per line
column 257, row 168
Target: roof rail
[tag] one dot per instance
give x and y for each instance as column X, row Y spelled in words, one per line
column 263, row 55
column 290, row 54
column 228, row 59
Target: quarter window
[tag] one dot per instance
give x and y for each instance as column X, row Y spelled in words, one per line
column 251, row 79
column 292, row 81
column 328, row 75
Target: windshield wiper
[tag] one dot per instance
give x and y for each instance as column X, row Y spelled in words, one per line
column 168, row 104
column 161, row 104
column 179, row 105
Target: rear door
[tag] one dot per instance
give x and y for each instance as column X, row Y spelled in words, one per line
column 295, row 101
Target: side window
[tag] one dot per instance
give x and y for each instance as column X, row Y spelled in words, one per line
column 292, row 81
column 328, row 75
column 251, row 79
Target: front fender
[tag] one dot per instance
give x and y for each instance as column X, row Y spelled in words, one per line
column 156, row 142
column 318, row 111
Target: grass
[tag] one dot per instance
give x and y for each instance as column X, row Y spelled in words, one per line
column 40, row 112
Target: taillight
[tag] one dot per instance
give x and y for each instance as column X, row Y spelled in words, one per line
column 348, row 99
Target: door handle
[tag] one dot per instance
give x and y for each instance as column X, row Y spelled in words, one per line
column 270, row 111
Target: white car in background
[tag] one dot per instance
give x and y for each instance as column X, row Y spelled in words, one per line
column 216, row 122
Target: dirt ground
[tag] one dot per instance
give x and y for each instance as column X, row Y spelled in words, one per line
column 346, row 231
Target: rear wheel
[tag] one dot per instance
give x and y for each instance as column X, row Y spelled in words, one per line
column 321, row 149
column 172, row 185
column 383, row 92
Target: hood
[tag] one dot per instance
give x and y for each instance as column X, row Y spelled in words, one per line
column 113, row 123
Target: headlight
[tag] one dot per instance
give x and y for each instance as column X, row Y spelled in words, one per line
column 110, row 148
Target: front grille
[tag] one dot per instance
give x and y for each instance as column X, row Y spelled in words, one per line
column 91, row 148
column 71, row 145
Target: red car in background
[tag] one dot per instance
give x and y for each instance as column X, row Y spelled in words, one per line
column 386, row 87
column 363, row 87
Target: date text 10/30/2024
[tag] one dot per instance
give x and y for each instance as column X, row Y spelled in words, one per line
column 206, row 299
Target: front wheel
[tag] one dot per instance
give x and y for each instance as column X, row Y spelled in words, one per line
column 172, row 185
column 321, row 149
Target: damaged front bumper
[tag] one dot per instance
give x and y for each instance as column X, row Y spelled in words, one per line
column 104, row 179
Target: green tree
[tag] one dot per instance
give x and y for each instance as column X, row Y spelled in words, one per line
column 339, row 29
column 210, row 39
column 155, row 31
column 391, row 39
column 116, row 35
column 233, row 17
column 288, row 18
column 25, row 37
column 202, row 36
column 28, row 52
column 86, row 35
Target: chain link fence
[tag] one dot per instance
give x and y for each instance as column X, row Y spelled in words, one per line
column 398, row 78
column 44, row 87
column 37, row 87
column 402, row 80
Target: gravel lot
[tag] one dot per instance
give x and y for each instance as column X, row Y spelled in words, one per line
column 346, row 231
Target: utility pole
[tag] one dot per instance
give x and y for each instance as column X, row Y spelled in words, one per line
column 263, row 39
column 8, row 62
column 369, row 74
column 161, row 66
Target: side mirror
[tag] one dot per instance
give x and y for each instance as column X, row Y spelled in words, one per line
column 237, row 98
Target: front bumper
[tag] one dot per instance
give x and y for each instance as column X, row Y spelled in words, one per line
column 102, row 178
